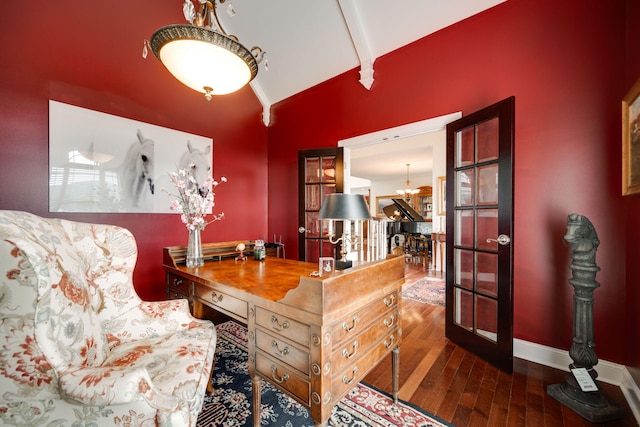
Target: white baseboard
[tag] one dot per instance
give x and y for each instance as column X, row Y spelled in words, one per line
column 631, row 393
column 608, row 372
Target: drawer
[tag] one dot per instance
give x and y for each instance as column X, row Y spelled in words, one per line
column 357, row 322
column 221, row 301
column 344, row 380
column 283, row 377
column 178, row 287
column 350, row 351
column 283, row 351
column 283, row 326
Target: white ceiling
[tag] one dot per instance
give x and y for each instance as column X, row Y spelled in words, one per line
column 387, row 161
column 308, row 42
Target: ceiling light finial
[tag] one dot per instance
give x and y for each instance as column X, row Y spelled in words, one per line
column 202, row 55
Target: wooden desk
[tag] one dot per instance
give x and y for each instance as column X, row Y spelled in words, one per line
column 314, row 338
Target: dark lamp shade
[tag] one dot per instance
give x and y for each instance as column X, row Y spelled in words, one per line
column 344, row 206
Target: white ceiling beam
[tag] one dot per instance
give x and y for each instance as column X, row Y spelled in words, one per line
column 360, row 41
column 266, row 105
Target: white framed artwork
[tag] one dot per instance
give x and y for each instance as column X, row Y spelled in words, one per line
column 99, row 162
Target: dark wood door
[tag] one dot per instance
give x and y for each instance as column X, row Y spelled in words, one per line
column 479, row 307
column 320, row 172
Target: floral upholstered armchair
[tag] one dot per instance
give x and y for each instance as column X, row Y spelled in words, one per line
column 78, row 346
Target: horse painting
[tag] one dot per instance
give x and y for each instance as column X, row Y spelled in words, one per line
column 198, row 161
column 136, row 174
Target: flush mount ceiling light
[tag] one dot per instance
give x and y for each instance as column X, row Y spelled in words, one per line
column 202, row 55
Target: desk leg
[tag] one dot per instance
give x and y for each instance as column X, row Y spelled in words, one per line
column 256, row 390
column 197, row 309
column 395, row 372
column 434, row 253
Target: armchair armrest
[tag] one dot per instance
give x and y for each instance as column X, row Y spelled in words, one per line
column 152, row 318
column 112, row 385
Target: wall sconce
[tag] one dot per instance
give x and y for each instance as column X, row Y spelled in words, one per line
column 344, row 207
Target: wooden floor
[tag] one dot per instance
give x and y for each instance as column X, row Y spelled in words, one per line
column 460, row 388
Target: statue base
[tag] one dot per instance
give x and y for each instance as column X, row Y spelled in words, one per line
column 591, row 405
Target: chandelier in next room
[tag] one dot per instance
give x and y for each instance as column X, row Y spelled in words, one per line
column 407, row 192
column 201, row 55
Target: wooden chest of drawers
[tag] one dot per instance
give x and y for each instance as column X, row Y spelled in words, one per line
column 312, row 337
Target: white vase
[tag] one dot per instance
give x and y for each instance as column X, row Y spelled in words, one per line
column 194, row 249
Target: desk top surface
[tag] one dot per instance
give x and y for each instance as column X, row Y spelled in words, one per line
column 290, row 282
column 270, row 278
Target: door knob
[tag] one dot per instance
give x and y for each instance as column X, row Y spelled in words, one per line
column 301, row 230
column 502, row 239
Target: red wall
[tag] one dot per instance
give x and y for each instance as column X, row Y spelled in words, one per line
column 632, row 205
column 89, row 54
column 564, row 63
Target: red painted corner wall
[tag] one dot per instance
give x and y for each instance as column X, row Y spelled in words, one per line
column 632, row 205
column 78, row 55
column 564, row 63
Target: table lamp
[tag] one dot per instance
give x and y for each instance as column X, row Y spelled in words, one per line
column 344, row 207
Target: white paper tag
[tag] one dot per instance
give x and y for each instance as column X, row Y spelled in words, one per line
column 585, row 381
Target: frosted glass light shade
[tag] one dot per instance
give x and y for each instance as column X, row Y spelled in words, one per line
column 203, row 59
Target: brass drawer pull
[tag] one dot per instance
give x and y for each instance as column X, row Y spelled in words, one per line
column 390, row 343
column 353, row 377
column 389, row 323
column 349, row 329
column 216, row 297
column 276, row 325
column 177, row 281
column 279, row 352
column 389, row 302
column 280, row 380
column 346, row 354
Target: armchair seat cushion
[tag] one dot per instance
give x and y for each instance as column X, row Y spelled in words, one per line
column 174, row 362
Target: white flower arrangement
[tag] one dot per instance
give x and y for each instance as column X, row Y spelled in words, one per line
column 193, row 203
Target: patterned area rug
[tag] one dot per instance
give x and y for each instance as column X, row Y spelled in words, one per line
column 429, row 290
column 230, row 405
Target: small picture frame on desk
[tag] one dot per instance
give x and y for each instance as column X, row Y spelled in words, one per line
column 326, row 265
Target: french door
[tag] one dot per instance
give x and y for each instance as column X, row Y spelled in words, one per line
column 320, row 172
column 479, row 307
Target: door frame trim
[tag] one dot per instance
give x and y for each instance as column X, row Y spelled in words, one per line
column 403, row 131
column 421, row 127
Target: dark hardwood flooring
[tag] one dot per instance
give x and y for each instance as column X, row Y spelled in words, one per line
column 462, row 389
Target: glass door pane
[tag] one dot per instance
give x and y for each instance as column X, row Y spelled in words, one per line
column 476, row 220
column 319, row 175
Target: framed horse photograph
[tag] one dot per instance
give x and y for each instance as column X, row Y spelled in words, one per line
column 99, row 162
column 631, row 141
